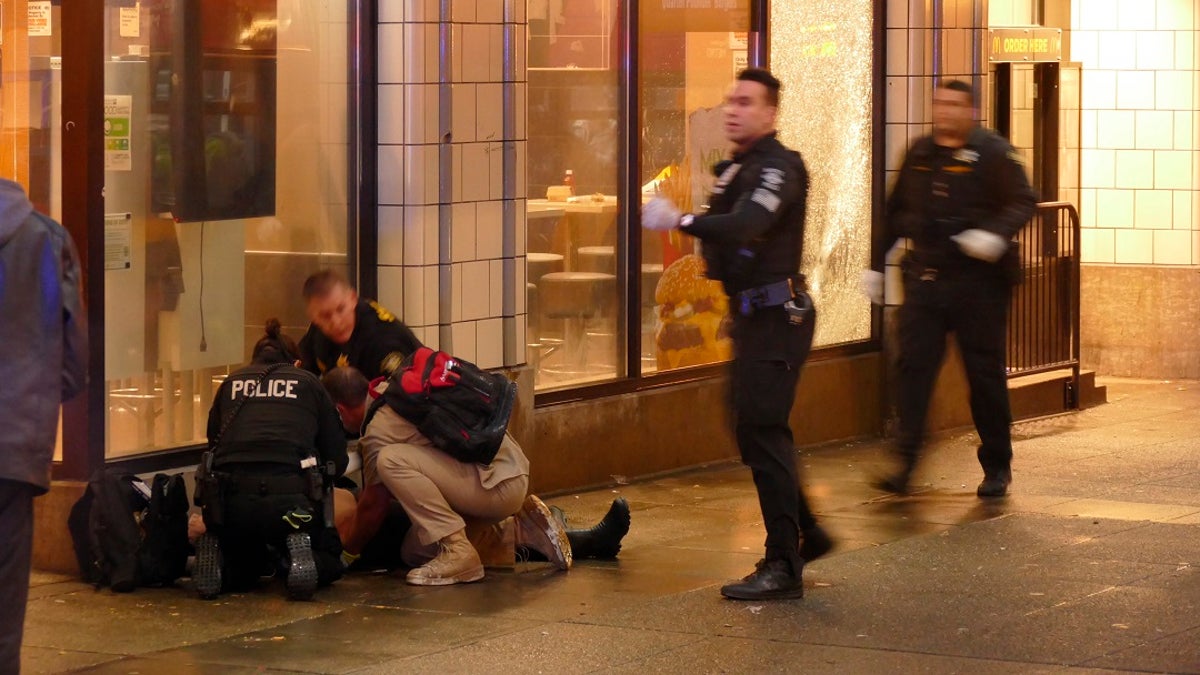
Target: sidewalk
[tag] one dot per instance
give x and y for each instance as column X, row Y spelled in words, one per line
column 1091, row 563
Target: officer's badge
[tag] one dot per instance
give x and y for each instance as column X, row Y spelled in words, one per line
column 391, row 363
column 966, row 155
column 343, row 361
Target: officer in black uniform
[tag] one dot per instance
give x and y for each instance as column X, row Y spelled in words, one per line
column 752, row 237
column 277, row 444
column 350, row 331
column 961, row 196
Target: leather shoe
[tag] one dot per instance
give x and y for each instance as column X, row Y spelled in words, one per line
column 771, row 580
column 995, row 485
column 816, row 544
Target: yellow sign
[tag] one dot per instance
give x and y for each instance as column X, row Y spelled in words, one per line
column 1025, row 45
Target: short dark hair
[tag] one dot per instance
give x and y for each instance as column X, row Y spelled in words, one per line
column 765, row 78
column 319, row 283
column 275, row 346
column 959, row 86
column 346, row 386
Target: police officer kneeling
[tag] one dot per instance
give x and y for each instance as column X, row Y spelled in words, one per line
column 275, row 446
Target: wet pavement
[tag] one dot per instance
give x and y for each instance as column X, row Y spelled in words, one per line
column 1090, row 565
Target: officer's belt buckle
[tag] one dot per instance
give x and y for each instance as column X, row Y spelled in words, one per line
column 929, row 274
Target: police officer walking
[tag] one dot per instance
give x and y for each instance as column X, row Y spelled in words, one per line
column 961, row 196
column 276, row 443
column 753, row 233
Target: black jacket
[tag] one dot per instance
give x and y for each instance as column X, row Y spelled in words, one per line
column 942, row 191
column 379, row 343
column 753, row 231
column 289, row 418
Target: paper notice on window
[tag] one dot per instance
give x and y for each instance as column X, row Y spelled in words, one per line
column 118, row 111
column 131, row 21
column 118, row 238
column 38, row 13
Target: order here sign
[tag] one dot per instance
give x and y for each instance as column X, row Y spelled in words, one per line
column 1025, row 45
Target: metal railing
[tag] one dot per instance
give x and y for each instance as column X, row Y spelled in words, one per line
column 1043, row 320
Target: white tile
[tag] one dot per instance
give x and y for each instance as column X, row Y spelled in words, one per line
column 391, row 11
column 520, row 62
column 463, row 109
column 496, row 288
column 421, row 10
column 1098, row 246
column 431, row 51
column 522, row 176
column 1175, row 14
column 456, row 292
column 390, row 53
column 489, row 116
column 1196, row 247
column 391, row 288
column 1087, row 208
column 1137, row 14
column 489, row 341
column 413, row 59
column 457, row 47
column 475, row 172
column 896, row 99
column 1173, row 89
column 1134, row 247
column 920, row 53
column 1172, row 247
column 476, row 300
column 1135, row 169
column 1155, row 130
column 462, row 340
column 390, row 171
column 415, row 178
column 462, row 232
column 496, row 54
column 464, row 11
column 1173, row 169
column 456, row 172
column 392, row 113
column 414, row 297
column 522, row 281
column 515, row 11
column 1136, row 90
column 1155, row 49
column 1099, row 168
column 495, row 157
column 1088, row 134
column 1152, row 209
column 920, row 99
column 391, row 235
column 432, row 294
column 476, row 52
column 1096, row 15
column 416, row 129
column 489, row 230
column 897, row 52
column 521, row 109
column 897, row 14
column 420, row 235
column 1085, row 48
column 1100, row 89
column 955, row 52
column 1182, row 209
column 1185, row 50
column 1114, row 208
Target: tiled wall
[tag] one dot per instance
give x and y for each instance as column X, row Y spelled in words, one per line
column 452, row 173
column 1140, row 167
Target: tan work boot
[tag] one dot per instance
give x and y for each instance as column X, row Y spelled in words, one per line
column 456, row 562
column 495, row 543
column 539, row 530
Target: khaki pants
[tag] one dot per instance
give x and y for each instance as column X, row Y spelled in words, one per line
column 443, row 495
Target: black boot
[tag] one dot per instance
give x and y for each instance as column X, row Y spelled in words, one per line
column 771, row 580
column 603, row 540
column 816, row 543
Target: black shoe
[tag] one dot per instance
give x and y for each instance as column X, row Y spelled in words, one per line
column 896, row 484
column 207, row 573
column 771, row 580
column 602, row 541
column 995, row 485
column 302, row 569
column 816, row 544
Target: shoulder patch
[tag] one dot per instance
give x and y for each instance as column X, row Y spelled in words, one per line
column 1016, row 157
column 382, row 312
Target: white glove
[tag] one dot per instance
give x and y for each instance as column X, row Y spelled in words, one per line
column 660, row 214
column 981, row 244
column 871, row 285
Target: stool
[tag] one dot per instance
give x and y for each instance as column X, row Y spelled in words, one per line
column 597, row 259
column 540, row 264
column 576, row 298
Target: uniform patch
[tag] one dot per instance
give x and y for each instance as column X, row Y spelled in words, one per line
column 773, row 178
column 382, row 312
column 725, row 177
column 767, row 199
column 966, row 155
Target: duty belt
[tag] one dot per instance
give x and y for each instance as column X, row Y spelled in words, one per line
column 263, row 485
column 770, row 295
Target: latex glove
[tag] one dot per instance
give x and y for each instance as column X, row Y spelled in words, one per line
column 981, row 244
column 871, row 285
column 660, row 214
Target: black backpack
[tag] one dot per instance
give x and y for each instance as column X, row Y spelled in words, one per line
column 461, row 409
column 127, row 534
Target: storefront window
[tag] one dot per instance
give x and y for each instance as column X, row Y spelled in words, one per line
column 225, row 186
column 686, row 58
column 573, row 151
